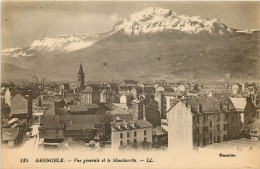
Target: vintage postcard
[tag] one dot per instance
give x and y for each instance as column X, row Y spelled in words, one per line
column 130, row 84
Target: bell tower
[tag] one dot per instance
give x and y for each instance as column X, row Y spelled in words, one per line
column 81, row 78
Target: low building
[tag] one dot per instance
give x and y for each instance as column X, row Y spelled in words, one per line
column 127, row 133
column 84, row 132
column 10, row 136
column 254, row 130
column 160, row 137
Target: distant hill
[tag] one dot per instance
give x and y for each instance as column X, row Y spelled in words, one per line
column 154, row 44
column 12, row 72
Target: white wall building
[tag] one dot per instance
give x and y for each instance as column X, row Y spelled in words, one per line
column 180, row 128
column 126, row 133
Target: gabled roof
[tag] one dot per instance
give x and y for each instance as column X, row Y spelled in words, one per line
column 119, row 110
column 158, row 131
column 143, row 123
column 45, row 119
column 50, row 111
column 52, row 126
column 78, row 108
column 80, row 126
column 110, row 106
column 238, row 103
column 81, row 119
column 209, row 105
column 92, row 106
column 125, row 124
column 19, row 102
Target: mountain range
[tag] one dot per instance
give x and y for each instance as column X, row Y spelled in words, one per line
column 153, row 44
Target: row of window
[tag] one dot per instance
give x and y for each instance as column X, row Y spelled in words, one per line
column 206, row 141
column 128, row 134
column 205, row 129
column 205, row 118
column 128, row 142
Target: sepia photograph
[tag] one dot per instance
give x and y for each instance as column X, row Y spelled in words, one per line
column 130, row 84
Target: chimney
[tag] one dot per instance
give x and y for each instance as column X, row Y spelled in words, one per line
column 43, row 83
column 186, row 104
column 220, row 106
column 200, row 108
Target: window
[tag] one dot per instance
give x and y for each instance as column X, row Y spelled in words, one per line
column 197, row 130
column 145, row 139
column 135, row 133
column 145, row 132
column 121, row 135
column 210, row 136
column 210, row 124
column 226, row 115
column 218, row 127
column 225, row 127
column 198, row 119
column 205, row 118
column 218, row 117
column 225, row 137
column 134, row 140
column 205, row 129
column 204, row 141
column 198, row 142
column 128, row 134
column 128, row 142
column 121, row 143
column 218, row 139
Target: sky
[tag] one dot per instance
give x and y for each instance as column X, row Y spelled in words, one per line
column 24, row 22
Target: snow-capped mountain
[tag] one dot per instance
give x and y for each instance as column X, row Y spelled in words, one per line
column 62, row 43
column 149, row 20
column 158, row 19
column 169, row 46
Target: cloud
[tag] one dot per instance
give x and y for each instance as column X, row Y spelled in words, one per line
column 114, row 17
column 8, row 50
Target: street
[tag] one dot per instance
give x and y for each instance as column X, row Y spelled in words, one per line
column 31, row 143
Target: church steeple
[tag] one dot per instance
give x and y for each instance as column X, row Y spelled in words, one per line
column 81, row 78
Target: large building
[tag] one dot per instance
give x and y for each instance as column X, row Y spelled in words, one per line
column 211, row 121
column 165, row 101
column 81, row 78
column 146, row 109
column 90, row 95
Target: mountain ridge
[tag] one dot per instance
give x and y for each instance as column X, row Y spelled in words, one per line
column 164, row 54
